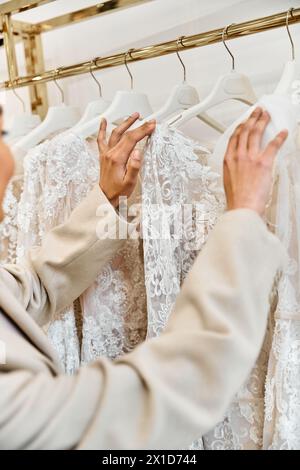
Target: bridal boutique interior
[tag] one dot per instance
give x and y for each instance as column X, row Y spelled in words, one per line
column 198, row 68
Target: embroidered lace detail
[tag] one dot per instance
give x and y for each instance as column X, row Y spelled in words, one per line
column 57, row 175
column 9, row 225
column 115, row 313
column 265, row 412
column 282, row 392
column 242, row 427
column 181, row 204
column 63, row 336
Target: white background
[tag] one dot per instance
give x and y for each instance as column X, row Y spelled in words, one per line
column 261, row 56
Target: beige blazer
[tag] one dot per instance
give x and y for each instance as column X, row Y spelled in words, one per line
column 167, row 392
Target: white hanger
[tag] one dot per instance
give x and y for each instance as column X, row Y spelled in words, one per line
column 231, row 86
column 183, row 96
column 123, row 105
column 22, row 123
column 57, row 119
column 289, row 72
column 94, row 108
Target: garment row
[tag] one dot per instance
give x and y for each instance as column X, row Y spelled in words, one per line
column 132, row 298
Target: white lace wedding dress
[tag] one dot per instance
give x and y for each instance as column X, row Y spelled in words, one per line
column 57, row 175
column 182, row 201
column 282, row 387
column 9, row 225
column 115, row 316
column 266, row 411
column 111, row 318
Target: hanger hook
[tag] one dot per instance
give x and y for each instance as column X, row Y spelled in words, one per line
column 128, row 69
column 56, row 74
column 94, row 62
column 288, row 13
column 225, row 32
column 18, row 97
column 179, row 41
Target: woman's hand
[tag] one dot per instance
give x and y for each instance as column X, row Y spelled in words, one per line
column 248, row 167
column 120, row 162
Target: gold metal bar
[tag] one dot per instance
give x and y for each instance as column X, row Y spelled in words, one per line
column 34, row 59
column 20, row 28
column 9, row 45
column 189, row 42
column 86, row 13
column 18, row 6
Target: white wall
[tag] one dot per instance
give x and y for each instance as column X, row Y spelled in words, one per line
column 261, row 56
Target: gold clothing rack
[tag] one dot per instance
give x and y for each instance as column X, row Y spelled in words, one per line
column 31, row 34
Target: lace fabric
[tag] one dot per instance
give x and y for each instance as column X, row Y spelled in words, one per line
column 9, row 225
column 181, row 204
column 282, row 389
column 115, row 314
column 265, row 408
column 57, row 176
column 265, row 412
column 134, row 293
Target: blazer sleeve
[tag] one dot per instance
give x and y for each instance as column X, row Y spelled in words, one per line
column 71, row 256
column 172, row 389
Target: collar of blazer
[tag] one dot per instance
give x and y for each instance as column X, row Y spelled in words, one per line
column 18, row 315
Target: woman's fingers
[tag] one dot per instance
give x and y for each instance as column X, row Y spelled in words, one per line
column 274, row 146
column 233, row 143
column 248, row 169
column 119, row 131
column 120, row 164
column 133, row 167
column 227, row 183
column 131, row 138
column 249, row 124
column 241, row 132
column 257, row 132
column 102, row 144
